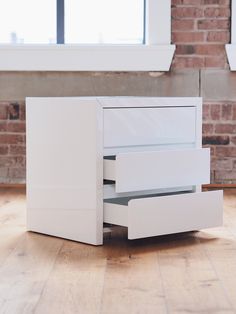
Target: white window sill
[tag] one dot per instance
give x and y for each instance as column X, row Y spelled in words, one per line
column 86, row 57
column 231, row 54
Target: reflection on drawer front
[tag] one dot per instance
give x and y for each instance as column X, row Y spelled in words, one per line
column 153, row 216
column 160, row 169
column 149, row 126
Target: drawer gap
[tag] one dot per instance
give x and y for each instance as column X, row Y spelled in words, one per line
column 125, row 200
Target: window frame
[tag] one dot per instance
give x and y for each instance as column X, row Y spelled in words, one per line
column 154, row 55
column 231, row 48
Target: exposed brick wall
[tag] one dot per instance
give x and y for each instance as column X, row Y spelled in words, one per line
column 200, row 29
column 219, row 133
column 12, row 142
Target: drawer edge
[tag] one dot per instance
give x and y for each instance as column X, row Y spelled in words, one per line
column 115, row 214
column 144, row 214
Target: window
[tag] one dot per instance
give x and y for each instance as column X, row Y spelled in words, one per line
column 99, row 22
column 231, row 48
column 27, row 21
column 85, row 35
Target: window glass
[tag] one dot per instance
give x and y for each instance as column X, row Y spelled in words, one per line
column 28, row 21
column 104, row 21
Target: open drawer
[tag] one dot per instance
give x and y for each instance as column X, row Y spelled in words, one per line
column 158, row 215
column 158, row 169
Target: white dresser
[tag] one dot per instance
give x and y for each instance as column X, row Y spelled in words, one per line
column 136, row 162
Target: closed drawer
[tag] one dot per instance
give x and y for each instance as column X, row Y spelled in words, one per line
column 159, row 169
column 158, row 215
column 149, row 126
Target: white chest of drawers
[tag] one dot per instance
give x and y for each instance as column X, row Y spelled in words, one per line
column 130, row 161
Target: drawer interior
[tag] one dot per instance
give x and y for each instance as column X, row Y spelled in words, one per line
column 124, row 201
column 154, row 215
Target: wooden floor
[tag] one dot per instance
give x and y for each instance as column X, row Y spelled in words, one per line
column 186, row 273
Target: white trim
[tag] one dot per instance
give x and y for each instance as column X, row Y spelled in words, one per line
column 233, row 22
column 85, row 58
column 155, row 55
column 231, row 54
column 231, row 48
column 158, row 22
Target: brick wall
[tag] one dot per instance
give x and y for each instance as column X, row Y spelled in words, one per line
column 219, row 133
column 200, row 29
column 12, row 142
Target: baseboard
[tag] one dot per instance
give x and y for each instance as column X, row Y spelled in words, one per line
column 13, row 185
column 219, row 186
column 205, row 186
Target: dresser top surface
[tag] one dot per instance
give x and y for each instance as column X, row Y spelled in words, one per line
column 127, row 101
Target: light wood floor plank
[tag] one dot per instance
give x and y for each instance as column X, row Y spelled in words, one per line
column 132, row 281
column 26, row 259
column 75, row 285
column 185, row 273
column 190, row 281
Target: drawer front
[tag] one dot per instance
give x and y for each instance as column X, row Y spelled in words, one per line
column 153, row 216
column 160, row 169
column 149, row 126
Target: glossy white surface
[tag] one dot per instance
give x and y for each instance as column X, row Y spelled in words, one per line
column 149, row 126
column 163, row 169
column 64, row 167
column 231, row 48
column 160, row 215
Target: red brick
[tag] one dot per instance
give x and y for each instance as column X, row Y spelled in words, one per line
column 187, row 2
column 215, row 62
column 187, row 12
column 185, row 50
column 215, row 112
column 207, row 128
column 206, row 112
column 16, row 127
column 188, row 37
column 233, row 140
column 188, row 62
column 22, row 112
column 215, row 140
column 234, row 112
column 184, row 25
column 234, row 163
column 217, row 12
column 218, row 36
column 213, row 24
column 11, row 139
column 219, row 2
column 12, row 161
column 225, row 151
column 221, row 164
column 3, row 150
column 3, row 111
column 226, row 112
column 14, row 111
column 210, row 49
column 225, row 128
column 17, row 150
column 3, row 126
